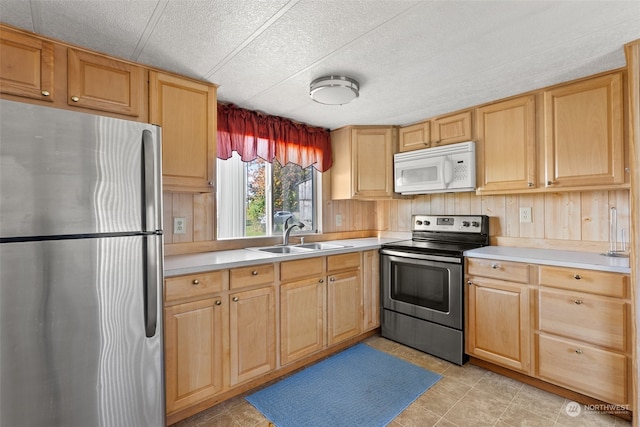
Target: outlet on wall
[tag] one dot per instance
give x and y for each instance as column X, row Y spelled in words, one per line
column 179, row 225
column 338, row 220
column 525, row 214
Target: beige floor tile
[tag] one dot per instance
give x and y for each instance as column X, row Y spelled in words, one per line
column 452, row 387
column 539, row 402
column 468, row 374
column 520, row 417
column 465, row 413
column 436, row 402
column 417, row 416
column 444, row 423
column 584, row 418
column 491, row 403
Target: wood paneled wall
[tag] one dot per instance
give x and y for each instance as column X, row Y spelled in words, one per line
column 563, row 220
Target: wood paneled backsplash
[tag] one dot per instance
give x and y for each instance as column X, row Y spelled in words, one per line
column 563, row 220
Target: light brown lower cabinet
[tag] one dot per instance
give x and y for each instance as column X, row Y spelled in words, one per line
column 580, row 327
column 344, row 312
column 252, row 340
column 193, row 339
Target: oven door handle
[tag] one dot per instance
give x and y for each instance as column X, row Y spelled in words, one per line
column 425, row 257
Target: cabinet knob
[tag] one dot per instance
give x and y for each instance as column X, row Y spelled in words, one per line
column 530, row 184
column 196, row 282
column 469, row 282
column 332, row 279
column 578, row 351
column 578, row 301
column 235, row 299
column 218, row 302
column 577, row 277
column 45, row 93
column 321, row 281
column 211, row 183
column 75, row 99
column 254, row 273
column 495, row 266
column 550, row 182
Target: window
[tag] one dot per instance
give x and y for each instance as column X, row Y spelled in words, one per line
column 257, row 198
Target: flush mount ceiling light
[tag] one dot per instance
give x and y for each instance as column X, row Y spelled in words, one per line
column 334, row 90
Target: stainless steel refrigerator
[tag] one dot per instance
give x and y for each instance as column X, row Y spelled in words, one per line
column 80, row 270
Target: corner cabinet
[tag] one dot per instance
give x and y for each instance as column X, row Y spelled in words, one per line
column 583, row 140
column 506, row 146
column 187, row 112
column 362, row 162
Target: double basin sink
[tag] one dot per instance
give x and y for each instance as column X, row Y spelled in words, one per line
column 299, row 249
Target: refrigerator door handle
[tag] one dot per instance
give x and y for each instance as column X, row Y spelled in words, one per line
column 153, row 275
column 152, row 185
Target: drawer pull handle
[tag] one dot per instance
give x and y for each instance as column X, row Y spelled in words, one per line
column 196, row 282
column 235, row 299
column 254, row 273
column 578, row 351
column 530, row 184
column 469, row 282
column 45, row 93
column 578, row 301
column 75, row 99
column 577, row 277
column 218, row 302
column 332, row 279
column 321, row 281
column 495, row 266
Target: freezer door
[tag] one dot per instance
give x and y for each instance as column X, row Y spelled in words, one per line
column 68, row 173
column 74, row 350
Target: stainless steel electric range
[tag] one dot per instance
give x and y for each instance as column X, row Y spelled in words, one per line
column 422, row 283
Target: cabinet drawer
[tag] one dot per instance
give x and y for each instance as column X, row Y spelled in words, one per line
column 594, row 372
column 292, row 270
column 595, row 320
column 251, row 276
column 592, row 281
column 343, row 261
column 504, row 270
column 193, row 285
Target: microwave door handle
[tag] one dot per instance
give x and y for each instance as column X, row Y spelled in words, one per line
column 447, row 171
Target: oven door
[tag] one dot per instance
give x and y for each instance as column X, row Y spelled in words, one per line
column 423, row 286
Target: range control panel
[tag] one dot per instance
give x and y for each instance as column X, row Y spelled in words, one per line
column 451, row 223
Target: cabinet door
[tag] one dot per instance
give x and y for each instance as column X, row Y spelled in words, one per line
column 583, row 139
column 451, row 129
column 415, row 137
column 344, row 306
column 301, row 318
column 498, row 326
column 26, row 66
column 371, row 290
column 506, row 148
column 187, row 112
column 252, row 321
column 372, row 151
column 101, row 83
column 193, row 340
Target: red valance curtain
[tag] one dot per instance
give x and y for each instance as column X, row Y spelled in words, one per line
column 252, row 134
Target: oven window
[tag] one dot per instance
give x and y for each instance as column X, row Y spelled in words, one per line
column 421, row 285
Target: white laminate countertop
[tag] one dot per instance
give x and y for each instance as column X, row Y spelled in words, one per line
column 575, row 259
column 176, row 265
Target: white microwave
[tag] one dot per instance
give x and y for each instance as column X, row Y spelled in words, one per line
column 450, row 168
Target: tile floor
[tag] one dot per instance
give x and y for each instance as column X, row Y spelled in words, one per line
column 465, row 396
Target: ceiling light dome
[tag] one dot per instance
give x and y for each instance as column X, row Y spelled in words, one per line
column 334, row 90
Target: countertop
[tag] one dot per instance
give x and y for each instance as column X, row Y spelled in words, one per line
column 584, row 260
column 177, row 265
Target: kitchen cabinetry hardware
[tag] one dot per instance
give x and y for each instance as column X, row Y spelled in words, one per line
column 196, row 282
column 578, row 301
column 332, row 279
column 218, row 302
column 530, row 184
column 577, row 277
column 254, row 273
column 550, row 182
column 45, row 93
column 75, row 99
column 235, row 299
column 495, row 266
column 469, row 282
column 321, row 281
column 578, row 351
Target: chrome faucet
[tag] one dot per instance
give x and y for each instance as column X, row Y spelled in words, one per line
column 287, row 230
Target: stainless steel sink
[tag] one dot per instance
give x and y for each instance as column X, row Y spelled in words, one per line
column 298, row 249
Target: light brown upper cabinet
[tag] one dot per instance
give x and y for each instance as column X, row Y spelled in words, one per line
column 101, row 83
column 583, row 140
column 436, row 132
column 26, row 66
column 415, row 137
column 506, row 145
column 187, row 112
column 362, row 162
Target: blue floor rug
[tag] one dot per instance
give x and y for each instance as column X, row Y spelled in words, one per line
column 360, row 386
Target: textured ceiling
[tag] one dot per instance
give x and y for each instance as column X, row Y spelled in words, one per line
column 413, row 59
